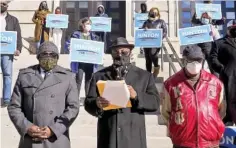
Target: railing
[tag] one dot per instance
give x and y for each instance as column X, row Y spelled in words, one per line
column 170, row 58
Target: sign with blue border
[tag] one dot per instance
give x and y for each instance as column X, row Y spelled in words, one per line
column 140, row 18
column 8, row 42
column 195, row 35
column 57, row 21
column 150, row 38
column 214, row 10
column 101, row 24
column 86, row 51
column 229, row 138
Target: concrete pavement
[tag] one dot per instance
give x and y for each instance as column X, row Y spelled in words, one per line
column 83, row 131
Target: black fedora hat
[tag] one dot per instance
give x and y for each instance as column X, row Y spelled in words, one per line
column 120, row 42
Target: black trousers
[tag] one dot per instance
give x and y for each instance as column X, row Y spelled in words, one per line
column 88, row 70
column 151, row 57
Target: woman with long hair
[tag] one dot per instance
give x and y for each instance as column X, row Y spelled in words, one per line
column 151, row 54
column 41, row 33
column 80, row 68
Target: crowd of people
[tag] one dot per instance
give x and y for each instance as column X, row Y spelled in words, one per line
column 195, row 104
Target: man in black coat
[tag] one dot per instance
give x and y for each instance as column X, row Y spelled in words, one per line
column 223, row 59
column 123, row 128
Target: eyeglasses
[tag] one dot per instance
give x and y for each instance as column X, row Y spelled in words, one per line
column 48, row 54
column 121, row 51
column 4, row 4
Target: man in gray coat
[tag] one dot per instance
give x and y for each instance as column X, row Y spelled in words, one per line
column 45, row 102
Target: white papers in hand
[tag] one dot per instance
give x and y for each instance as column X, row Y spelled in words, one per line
column 117, row 93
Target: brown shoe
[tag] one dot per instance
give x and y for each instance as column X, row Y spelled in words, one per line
column 156, row 71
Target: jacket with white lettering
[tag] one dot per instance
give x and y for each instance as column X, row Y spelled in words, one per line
column 193, row 116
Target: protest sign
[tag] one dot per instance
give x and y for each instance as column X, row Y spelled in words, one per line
column 8, row 42
column 86, row 51
column 101, row 24
column 57, row 21
column 229, row 138
column 194, row 35
column 150, row 38
column 214, row 10
column 140, row 18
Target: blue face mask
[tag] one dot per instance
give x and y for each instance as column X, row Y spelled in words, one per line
column 205, row 21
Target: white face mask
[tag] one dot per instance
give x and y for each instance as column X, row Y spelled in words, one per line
column 88, row 27
column 194, row 68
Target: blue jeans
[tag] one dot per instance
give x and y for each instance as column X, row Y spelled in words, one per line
column 6, row 65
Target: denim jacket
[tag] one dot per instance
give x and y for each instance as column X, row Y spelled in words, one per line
column 77, row 34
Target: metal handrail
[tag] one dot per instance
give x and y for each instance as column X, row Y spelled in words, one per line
column 171, row 63
column 174, row 52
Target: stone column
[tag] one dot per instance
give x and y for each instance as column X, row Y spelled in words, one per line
column 128, row 21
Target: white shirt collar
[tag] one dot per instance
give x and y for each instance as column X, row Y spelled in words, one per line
column 4, row 15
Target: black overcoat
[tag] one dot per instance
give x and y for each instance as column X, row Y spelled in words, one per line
column 223, row 58
column 124, row 128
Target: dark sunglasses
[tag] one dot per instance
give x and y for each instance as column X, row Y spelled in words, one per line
column 123, row 53
column 48, row 54
column 4, row 4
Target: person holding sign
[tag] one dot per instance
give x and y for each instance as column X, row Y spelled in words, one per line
column 122, row 127
column 102, row 35
column 151, row 54
column 207, row 20
column 193, row 105
column 11, row 24
column 143, row 7
column 78, row 67
column 57, row 32
column 223, row 59
column 41, row 33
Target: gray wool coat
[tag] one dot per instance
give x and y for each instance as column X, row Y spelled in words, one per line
column 53, row 102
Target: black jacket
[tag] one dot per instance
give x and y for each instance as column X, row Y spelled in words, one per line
column 124, row 128
column 12, row 24
column 223, row 59
column 157, row 24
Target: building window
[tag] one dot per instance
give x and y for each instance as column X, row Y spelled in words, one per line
column 230, row 15
column 186, row 15
column 185, row 25
column 186, row 4
column 70, row 4
column 83, row 4
column 114, row 4
column 115, row 15
column 229, row 4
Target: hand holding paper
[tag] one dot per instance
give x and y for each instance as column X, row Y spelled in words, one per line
column 102, row 103
column 101, row 87
column 132, row 92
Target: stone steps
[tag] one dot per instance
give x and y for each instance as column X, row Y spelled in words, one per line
column 83, row 131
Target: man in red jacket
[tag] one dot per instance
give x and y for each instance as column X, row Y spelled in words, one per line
column 193, row 104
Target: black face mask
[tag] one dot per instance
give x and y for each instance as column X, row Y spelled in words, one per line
column 3, row 9
column 44, row 6
column 122, row 60
column 143, row 8
column 233, row 33
column 100, row 10
column 152, row 14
